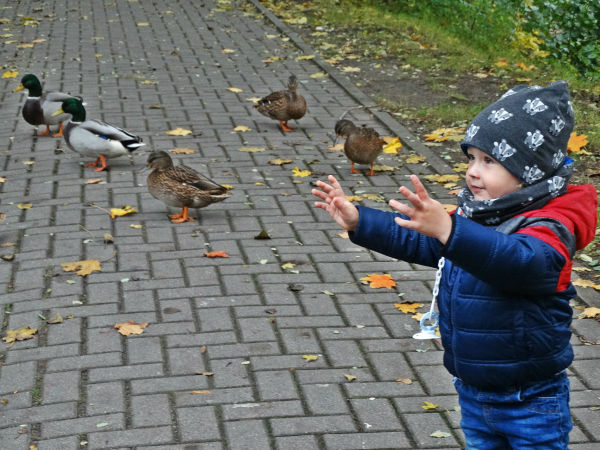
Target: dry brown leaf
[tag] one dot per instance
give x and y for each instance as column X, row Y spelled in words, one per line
column 128, row 328
column 56, row 318
column 404, row 380
column 82, row 268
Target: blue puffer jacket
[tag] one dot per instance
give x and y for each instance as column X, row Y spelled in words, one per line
column 505, row 291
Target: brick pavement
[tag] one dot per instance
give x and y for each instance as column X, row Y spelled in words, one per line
column 246, row 319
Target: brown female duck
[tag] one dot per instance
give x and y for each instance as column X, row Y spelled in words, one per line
column 363, row 145
column 181, row 186
column 283, row 105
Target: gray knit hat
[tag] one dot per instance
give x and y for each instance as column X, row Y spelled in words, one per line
column 526, row 130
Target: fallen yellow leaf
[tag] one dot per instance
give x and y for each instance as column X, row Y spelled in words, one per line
column 124, row 211
column 279, row 161
column 10, row 74
column 319, row 75
column 353, row 198
column 374, row 197
column 179, row 132
column 300, row 173
column 227, row 50
column 82, row 268
column 408, row 308
column 349, row 377
column 449, row 207
column 24, row 205
column 149, row 82
column 429, row 405
column 310, row 357
column 235, row 90
column 589, row 313
column 182, row 151
column 94, row 181
column 128, row 328
column 393, row 146
column 242, row 128
column 304, row 57
column 203, row 391
column 415, row 159
column 404, row 380
column 442, row 179
column 586, row 283
column 21, row 334
column 136, row 226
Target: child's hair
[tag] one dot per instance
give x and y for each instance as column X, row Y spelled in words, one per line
column 526, row 130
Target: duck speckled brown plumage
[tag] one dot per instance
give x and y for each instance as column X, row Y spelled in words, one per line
column 283, row 105
column 181, row 186
column 363, row 145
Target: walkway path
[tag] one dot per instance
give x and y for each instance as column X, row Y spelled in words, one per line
column 221, row 363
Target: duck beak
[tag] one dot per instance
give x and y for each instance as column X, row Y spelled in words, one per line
column 60, row 111
column 20, row 87
column 337, row 139
column 143, row 169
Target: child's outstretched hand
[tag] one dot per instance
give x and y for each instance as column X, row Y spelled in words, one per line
column 427, row 216
column 334, row 201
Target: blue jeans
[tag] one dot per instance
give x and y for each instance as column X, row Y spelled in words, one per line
column 535, row 416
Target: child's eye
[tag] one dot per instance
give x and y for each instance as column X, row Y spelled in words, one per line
column 489, row 160
column 470, row 157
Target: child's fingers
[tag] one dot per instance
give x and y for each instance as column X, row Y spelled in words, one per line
column 400, row 207
column 410, row 196
column 419, row 188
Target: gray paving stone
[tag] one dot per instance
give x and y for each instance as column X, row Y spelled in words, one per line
column 248, row 322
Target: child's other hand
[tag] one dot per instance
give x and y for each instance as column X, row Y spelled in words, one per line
column 427, row 216
column 334, row 201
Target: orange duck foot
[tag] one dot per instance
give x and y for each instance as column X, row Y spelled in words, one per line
column 60, row 131
column 101, row 160
column 285, row 127
column 182, row 216
column 372, row 172
column 45, row 133
column 352, row 169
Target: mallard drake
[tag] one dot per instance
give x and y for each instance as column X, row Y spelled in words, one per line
column 95, row 138
column 40, row 106
column 363, row 145
column 181, row 186
column 283, row 105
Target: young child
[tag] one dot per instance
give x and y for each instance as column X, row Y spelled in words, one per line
column 506, row 282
